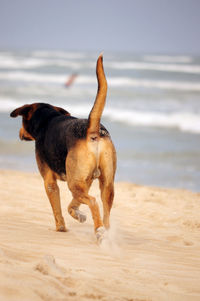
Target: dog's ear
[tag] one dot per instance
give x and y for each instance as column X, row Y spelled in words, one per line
column 62, row 111
column 22, row 111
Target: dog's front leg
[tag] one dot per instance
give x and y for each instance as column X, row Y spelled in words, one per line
column 53, row 194
column 52, row 191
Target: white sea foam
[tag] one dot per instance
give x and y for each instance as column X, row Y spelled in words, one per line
column 168, row 58
column 32, row 77
column 186, row 68
column 58, row 54
column 9, row 62
column 112, row 81
column 79, row 61
column 32, row 63
column 156, row 84
column 184, row 121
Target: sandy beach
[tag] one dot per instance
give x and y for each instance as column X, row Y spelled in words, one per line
column 151, row 251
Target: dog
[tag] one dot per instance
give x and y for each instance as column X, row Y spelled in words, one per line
column 73, row 150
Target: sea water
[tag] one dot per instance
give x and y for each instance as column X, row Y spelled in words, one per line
column 152, row 109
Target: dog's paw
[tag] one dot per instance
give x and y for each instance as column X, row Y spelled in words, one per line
column 61, row 229
column 77, row 214
column 80, row 216
column 100, row 234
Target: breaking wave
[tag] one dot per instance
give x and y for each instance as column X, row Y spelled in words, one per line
column 112, row 81
column 184, row 121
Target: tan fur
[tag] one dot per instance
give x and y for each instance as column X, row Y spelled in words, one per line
column 23, row 134
column 97, row 110
column 93, row 158
column 90, row 158
column 82, row 165
column 52, row 190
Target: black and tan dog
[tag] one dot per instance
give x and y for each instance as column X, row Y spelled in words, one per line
column 73, row 150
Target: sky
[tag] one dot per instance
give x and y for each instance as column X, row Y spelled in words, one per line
column 139, row 26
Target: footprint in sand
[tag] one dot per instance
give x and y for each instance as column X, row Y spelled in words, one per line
column 48, row 266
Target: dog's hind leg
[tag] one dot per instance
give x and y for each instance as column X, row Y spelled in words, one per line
column 107, row 195
column 74, row 211
column 80, row 167
column 81, row 196
column 106, row 180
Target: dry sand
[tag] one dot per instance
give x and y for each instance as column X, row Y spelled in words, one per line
column 152, row 251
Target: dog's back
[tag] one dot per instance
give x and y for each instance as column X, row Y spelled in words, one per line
column 58, row 137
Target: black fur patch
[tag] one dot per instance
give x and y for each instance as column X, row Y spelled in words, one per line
column 55, row 134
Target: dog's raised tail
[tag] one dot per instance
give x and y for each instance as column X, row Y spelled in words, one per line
column 97, row 109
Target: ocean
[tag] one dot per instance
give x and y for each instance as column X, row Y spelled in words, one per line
column 152, row 109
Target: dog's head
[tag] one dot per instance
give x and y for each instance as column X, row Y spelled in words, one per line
column 27, row 112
